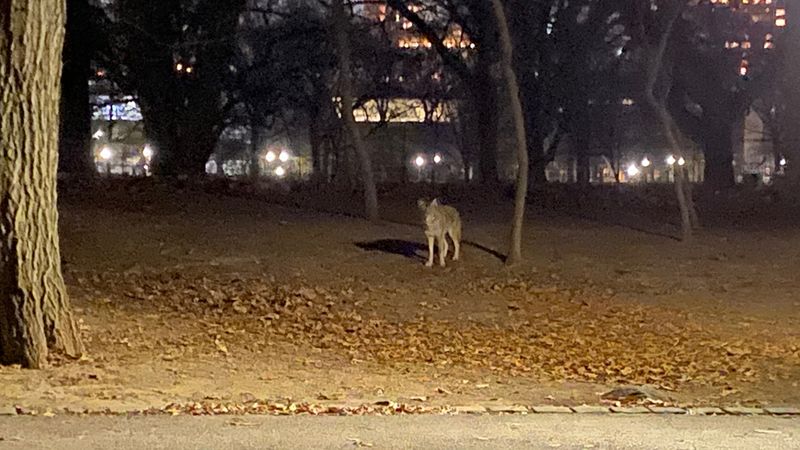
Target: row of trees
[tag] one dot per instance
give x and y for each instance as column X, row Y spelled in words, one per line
column 257, row 62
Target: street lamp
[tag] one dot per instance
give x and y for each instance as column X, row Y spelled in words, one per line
column 270, row 157
column 782, row 162
column 681, row 161
column 147, row 152
column 419, row 161
column 437, row 158
column 106, row 154
column 280, row 171
column 632, row 170
column 670, row 160
column 284, row 156
column 645, row 162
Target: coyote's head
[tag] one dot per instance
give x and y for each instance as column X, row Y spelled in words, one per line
column 424, row 204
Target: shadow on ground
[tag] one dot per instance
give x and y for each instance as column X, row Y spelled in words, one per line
column 412, row 250
column 400, row 247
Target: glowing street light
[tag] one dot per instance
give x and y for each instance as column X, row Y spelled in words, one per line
column 284, row 156
column 437, row 158
column 179, row 67
column 681, row 161
column 671, row 160
column 782, row 162
column 419, row 161
column 280, row 171
column 270, row 157
column 632, row 170
column 645, row 162
column 147, row 152
column 106, row 153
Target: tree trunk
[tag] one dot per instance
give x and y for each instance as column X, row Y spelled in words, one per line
column 315, row 141
column 582, row 138
column 35, row 314
column 582, row 174
column 75, row 127
column 255, row 163
column 537, row 160
column 537, row 170
column 659, row 105
column 342, row 38
column 515, row 248
column 484, row 100
column 718, row 172
column 181, row 150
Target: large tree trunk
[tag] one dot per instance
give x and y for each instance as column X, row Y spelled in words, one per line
column 718, row 172
column 515, row 247
column 342, row 38
column 75, row 128
column 484, row 99
column 183, row 144
column 35, row 314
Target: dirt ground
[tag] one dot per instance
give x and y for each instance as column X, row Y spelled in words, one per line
column 187, row 295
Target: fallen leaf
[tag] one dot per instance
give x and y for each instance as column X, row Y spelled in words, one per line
column 359, row 443
column 220, row 345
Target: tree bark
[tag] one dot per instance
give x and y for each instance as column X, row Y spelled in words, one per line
column 35, row 314
column 515, row 247
column 342, row 38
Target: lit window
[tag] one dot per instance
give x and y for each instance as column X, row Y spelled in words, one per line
column 780, row 22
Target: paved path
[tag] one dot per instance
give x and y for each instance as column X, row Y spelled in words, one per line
column 425, row 432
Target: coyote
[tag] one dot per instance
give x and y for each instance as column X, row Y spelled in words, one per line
column 441, row 220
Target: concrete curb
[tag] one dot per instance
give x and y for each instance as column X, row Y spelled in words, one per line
column 494, row 409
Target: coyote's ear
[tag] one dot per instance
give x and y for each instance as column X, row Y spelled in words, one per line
column 434, row 202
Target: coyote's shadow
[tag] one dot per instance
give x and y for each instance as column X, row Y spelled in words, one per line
column 416, row 250
column 394, row 246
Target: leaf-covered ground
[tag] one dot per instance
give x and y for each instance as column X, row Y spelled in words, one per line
column 225, row 300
